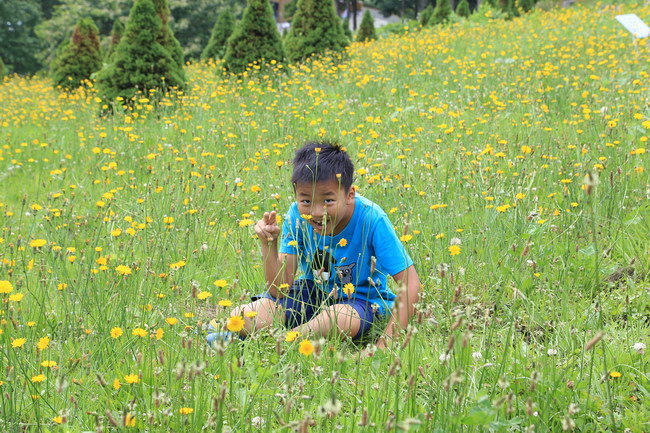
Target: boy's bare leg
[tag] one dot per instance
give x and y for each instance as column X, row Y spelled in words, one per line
column 267, row 310
column 340, row 318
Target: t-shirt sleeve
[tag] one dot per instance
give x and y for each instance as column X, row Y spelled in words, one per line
column 290, row 234
column 391, row 255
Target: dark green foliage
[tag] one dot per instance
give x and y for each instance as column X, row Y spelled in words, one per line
column 462, row 10
column 425, row 15
column 166, row 37
column 290, row 10
column 441, row 13
column 141, row 62
column 346, row 29
column 3, row 69
column 255, row 38
column 116, row 36
column 367, row 28
column 79, row 58
column 19, row 44
column 221, row 31
column 315, row 29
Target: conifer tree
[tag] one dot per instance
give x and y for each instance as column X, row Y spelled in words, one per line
column 221, row 31
column 462, row 10
column 255, row 38
column 367, row 28
column 141, row 63
column 166, row 37
column 315, row 29
column 346, row 29
column 425, row 15
column 79, row 58
column 441, row 13
column 116, row 35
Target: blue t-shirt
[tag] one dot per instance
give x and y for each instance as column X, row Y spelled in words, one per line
column 369, row 237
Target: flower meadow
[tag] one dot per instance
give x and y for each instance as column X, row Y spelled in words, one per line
column 511, row 157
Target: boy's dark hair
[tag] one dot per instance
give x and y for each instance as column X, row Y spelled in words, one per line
column 319, row 161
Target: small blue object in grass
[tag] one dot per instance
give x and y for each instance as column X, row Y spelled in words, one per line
column 215, row 337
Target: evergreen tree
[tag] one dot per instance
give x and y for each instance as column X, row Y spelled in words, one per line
column 441, row 13
column 166, row 37
column 462, row 10
column 3, row 69
column 255, row 38
column 315, row 29
column 425, row 15
column 141, row 62
column 221, row 31
column 79, row 58
column 116, row 35
column 367, row 28
column 346, row 29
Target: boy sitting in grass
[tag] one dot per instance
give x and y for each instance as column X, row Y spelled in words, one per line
column 336, row 251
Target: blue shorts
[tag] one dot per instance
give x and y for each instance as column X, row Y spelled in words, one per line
column 304, row 300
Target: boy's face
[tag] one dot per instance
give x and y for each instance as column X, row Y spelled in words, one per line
column 328, row 203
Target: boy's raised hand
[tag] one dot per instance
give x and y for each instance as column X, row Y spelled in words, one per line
column 267, row 228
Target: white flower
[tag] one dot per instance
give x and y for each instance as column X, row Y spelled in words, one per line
column 258, row 421
column 444, row 357
column 477, row 356
column 639, row 348
column 454, row 241
column 551, row 352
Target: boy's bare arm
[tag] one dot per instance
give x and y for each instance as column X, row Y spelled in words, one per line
column 278, row 268
column 405, row 303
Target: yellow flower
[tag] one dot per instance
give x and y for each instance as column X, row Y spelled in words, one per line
column 5, row 286
column 58, row 419
column 291, row 336
column 225, row 303
column 348, row 289
column 454, row 250
column 246, row 222
column 16, row 297
column 343, row 242
column 37, row 243
column 43, row 343
column 116, row 332
column 168, row 220
column 235, row 323
column 123, row 270
column 440, row 235
column 250, row 314
column 159, row 334
column 305, row 216
column 139, row 332
column 615, row 374
column 171, row 321
column 38, row 378
column 129, row 420
column 221, row 283
column 306, row 347
column 406, row 238
column 48, row 364
column 132, row 378
column 116, row 232
column 18, row 342
column 116, row 384
column 186, row 410
column 204, row 295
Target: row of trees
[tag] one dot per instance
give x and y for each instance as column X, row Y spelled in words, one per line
column 145, row 54
column 32, row 30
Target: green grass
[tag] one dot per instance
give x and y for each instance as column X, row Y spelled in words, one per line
column 466, row 116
